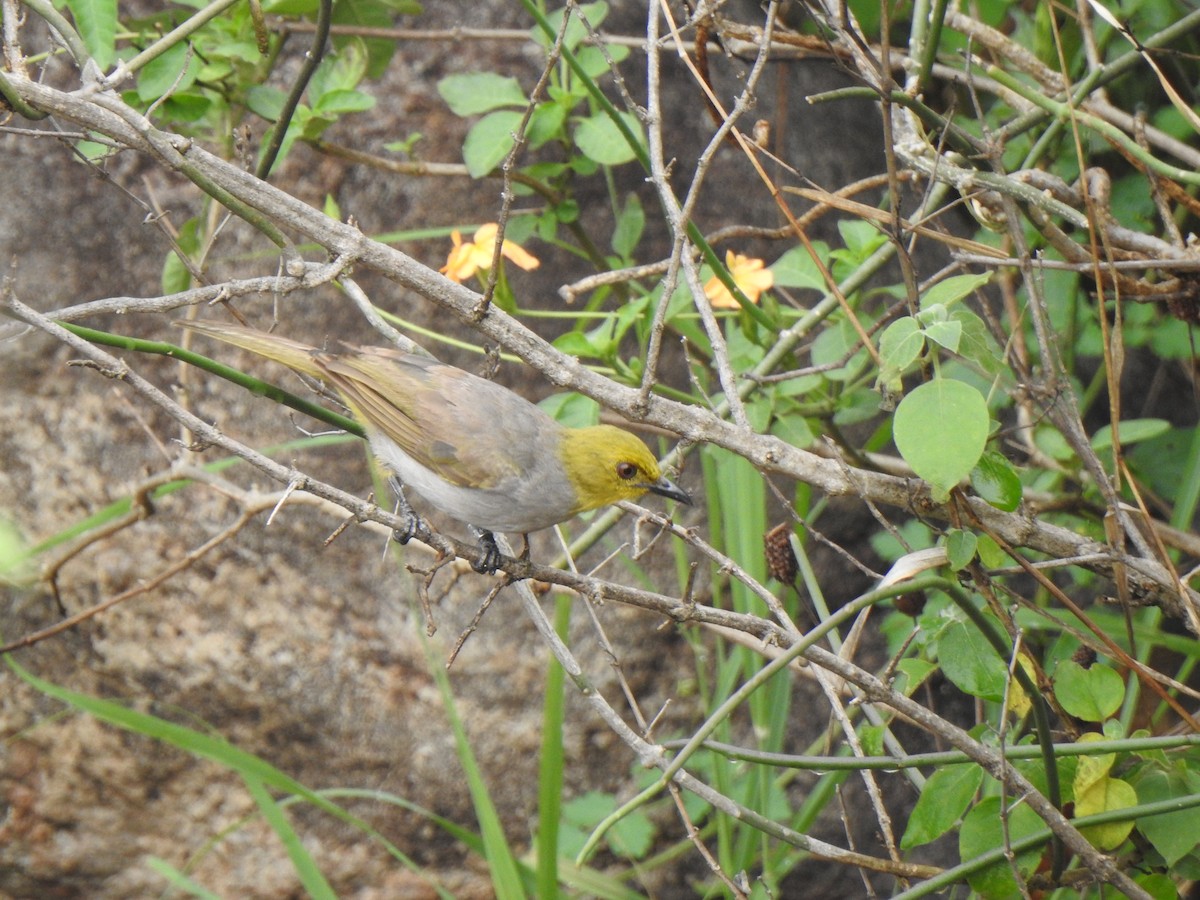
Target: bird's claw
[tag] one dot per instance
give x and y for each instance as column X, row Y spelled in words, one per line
column 412, row 527
column 412, row 522
column 490, row 557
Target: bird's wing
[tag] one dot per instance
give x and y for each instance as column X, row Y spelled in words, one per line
column 444, row 418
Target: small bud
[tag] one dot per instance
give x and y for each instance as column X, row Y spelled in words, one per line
column 762, row 133
column 781, row 560
column 911, row 604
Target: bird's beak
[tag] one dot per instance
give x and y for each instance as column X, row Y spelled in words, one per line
column 666, row 488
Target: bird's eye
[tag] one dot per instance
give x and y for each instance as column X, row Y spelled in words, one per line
column 626, row 470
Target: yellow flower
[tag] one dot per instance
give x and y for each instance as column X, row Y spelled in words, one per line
column 748, row 274
column 466, row 259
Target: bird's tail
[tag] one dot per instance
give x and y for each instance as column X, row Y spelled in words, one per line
column 292, row 354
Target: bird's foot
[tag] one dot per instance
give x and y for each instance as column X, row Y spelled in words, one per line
column 490, row 556
column 412, row 522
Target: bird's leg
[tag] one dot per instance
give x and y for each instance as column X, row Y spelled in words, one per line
column 412, row 523
column 490, row 556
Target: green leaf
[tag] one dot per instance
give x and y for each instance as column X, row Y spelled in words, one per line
column 174, row 70
column 1091, row 769
column 855, row 406
column 578, row 344
column 592, row 61
column 996, row 481
column 1132, row 431
column 861, row 239
column 185, row 886
column 310, row 876
column 1051, row 442
column 92, row 150
column 912, row 673
column 983, row 830
column 594, row 13
column 1173, row 834
column 796, row 269
column 175, row 275
column 405, row 146
column 834, row 344
column 572, row 409
column 630, row 837
column 308, row 124
column 947, row 333
column 188, row 106
column 16, row 560
column 342, row 70
column 1106, row 795
column 96, row 22
column 290, row 7
column 266, row 101
column 943, row 800
column 970, row 661
column 871, row 738
column 960, row 548
column 1158, row 885
column 795, row 430
column 631, row 222
column 366, row 14
column 472, row 93
column 337, row 102
column 566, row 212
column 953, row 289
column 940, row 428
column 990, row 553
column 489, row 141
column 546, row 124
column 1091, row 694
column 899, row 346
column 977, row 343
column 600, row 140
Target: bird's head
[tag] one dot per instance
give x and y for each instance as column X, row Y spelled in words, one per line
column 605, row 464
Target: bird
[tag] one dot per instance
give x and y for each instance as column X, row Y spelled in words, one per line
column 471, row 448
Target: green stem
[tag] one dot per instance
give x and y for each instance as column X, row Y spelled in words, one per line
column 930, row 43
column 1066, row 111
column 941, row 758
column 312, row 59
column 959, row 139
column 59, row 23
column 16, row 102
column 253, row 385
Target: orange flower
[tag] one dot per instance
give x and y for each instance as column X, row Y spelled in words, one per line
column 466, row 259
column 748, row 274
